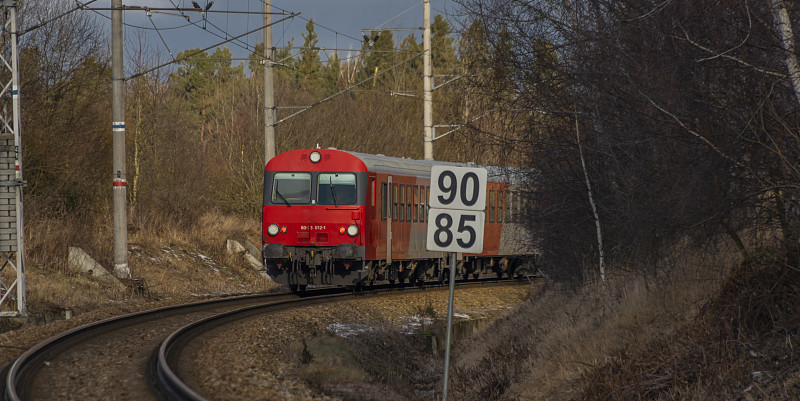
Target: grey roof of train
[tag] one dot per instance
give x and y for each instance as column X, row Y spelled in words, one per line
column 422, row 168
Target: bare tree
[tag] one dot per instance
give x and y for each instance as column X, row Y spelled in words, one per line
column 689, row 114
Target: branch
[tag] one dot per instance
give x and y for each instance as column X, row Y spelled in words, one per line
column 729, row 57
column 691, row 131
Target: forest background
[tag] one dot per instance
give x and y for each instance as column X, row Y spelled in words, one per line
column 655, row 126
column 651, row 130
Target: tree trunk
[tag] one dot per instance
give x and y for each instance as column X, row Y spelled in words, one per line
column 600, row 250
column 783, row 24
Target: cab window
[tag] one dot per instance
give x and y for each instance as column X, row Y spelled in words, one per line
column 336, row 189
column 291, row 188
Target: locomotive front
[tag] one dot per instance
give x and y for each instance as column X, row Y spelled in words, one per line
column 313, row 218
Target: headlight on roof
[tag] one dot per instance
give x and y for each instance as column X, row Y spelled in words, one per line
column 315, row 157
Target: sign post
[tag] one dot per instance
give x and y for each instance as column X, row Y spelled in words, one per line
column 455, row 224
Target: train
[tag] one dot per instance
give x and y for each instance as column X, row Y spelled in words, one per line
column 346, row 219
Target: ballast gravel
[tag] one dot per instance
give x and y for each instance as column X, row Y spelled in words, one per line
column 256, row 359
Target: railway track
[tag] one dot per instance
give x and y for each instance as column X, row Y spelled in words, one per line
column 71, row 358
column 164, row 374
column 123, row 348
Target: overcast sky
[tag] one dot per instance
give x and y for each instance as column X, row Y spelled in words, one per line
column 338, row 22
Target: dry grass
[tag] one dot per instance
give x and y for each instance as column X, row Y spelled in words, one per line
column 546, row 350
column 169, row 260
column 742, row 345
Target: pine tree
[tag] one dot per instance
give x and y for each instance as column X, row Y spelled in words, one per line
column 309, row 63
column 330, row 75
column 378, row 57
column 443, row 53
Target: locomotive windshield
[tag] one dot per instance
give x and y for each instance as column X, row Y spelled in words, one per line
column 291, row 188
column 336, row 189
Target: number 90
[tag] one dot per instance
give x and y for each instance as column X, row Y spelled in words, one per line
column 448, row 185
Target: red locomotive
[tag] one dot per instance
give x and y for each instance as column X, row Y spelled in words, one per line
column 340, row 218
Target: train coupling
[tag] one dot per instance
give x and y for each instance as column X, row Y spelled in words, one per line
column 311, row 256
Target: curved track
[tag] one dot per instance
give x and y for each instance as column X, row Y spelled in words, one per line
column 85, row 362
column 165, row 377
column 62, row 358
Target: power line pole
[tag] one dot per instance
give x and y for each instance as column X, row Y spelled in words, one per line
column 426, row 79
column 269, row 85
column 120, row 183
column 12, row 238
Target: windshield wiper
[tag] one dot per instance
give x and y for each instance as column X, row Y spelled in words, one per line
column 333, row 192
column 282, row 198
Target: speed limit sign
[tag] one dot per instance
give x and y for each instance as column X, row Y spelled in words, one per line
column 456, row 217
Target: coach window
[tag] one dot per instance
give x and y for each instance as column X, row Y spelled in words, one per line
column 500, row 205
column 402, row 202
column 336, row 189
column 409, row 201
column 507, row 203
column 417, row 190
column 491, row 206
column 416, row 203
column 510, row 207
column 413, row 196
column 421, row 204
column 427, row 203
column 394, row 204
column 372, row 193
column 383, row 201
column 291, row 188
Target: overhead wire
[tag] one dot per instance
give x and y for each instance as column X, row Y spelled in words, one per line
column 129, row 25
column 150, row 17
column 318, row 25
column 226, row 34
column 80, row 6
column 398, row 15
column 200, row 51
column 241, row 44
column 345, row 90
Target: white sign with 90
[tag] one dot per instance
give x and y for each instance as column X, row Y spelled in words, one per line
column 456, row 217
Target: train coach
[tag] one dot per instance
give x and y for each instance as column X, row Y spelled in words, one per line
column 338, row 218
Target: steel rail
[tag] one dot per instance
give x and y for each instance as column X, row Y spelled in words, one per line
column 21, row 372
column 167, row 382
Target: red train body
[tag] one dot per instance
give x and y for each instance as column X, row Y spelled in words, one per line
column 340, row 218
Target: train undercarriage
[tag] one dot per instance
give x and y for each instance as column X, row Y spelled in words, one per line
column 299, row 268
